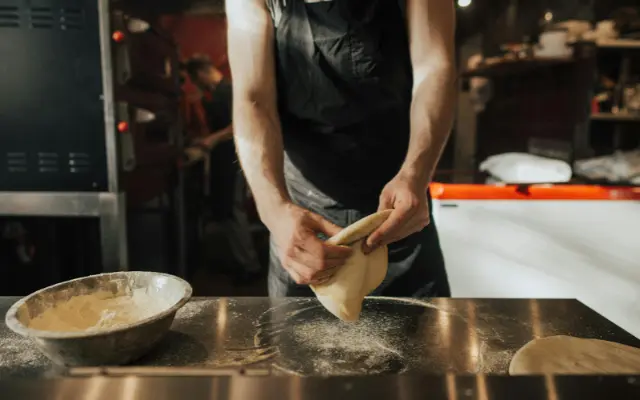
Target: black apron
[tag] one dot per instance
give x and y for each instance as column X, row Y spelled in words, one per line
column 344, row 82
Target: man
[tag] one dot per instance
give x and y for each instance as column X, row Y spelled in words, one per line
column 216, row 99
column 226, row 181
column 343, row 108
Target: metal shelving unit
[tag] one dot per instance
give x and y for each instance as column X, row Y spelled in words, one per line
column 624, row 44
column 56, row 165
column 74, row 99
column 626, row 47
column 619, row 117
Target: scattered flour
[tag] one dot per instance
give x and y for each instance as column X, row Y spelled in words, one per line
column 98, row 311
column 332, row 347
column 19, row 356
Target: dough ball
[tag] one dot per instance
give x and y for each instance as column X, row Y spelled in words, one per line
column 569, row 355
column 344, row 293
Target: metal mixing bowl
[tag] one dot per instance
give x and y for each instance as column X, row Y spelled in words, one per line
column 115, row 346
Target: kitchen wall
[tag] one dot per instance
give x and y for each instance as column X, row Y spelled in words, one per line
column 200, row 34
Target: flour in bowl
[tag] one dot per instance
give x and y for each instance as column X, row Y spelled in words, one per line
column 98, row 311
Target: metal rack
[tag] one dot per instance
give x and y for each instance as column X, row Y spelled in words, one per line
column 626, row 48
column 29, row 189
column 67, row 157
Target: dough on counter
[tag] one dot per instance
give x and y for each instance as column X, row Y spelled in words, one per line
column 344, row 293
column 569, row 355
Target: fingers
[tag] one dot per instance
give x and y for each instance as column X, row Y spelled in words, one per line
column 303, row 274
column 321, row 225
column 398, row 218
column 324, row 276
column 299, row 272
column 321, row 249
column 405, row 232
column 320, row 282
column 415, row 225
column 386, row 202
column 405, row 220
column 312, row 260
column 288, row 266
column 319, row 257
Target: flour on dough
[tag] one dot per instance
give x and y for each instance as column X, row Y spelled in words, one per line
column 361, row 274
column 569, row 355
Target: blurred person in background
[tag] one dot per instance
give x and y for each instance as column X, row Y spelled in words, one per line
column 227, row 185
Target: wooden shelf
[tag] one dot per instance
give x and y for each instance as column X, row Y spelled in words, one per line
column 622, row 44
column 620, row 117
column 514, row 67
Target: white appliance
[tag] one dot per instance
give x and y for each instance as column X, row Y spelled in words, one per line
column 545, row 242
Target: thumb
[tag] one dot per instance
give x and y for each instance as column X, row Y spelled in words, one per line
column 395, row 219
column 321, row 225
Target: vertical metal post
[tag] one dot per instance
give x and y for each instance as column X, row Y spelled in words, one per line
column 113, row 232
column 113, row 224
column 111, row 138
column 512, row 21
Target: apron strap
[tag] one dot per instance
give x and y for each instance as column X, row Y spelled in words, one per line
column 403, row 7
column 275, row 9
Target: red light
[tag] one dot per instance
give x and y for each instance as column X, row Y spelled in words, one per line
column 117, row 36
column 123, row 127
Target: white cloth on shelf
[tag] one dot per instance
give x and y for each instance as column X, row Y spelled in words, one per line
column 523, row 168
column 617, row 167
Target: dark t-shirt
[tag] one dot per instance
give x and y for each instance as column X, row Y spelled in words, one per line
column 217, row 106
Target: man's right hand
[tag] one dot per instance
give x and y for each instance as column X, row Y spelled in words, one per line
column 259, row 143
column 307, row 258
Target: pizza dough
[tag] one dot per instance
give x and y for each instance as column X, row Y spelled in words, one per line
column 344, row 293
column 569, row 355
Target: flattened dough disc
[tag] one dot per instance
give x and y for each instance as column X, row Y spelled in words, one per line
column 569, row 355
column 344, row 293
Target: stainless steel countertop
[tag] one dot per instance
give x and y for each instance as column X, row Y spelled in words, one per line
column 297, row 336
column 392, row 387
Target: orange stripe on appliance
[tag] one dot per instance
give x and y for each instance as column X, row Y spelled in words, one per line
column 446, row 191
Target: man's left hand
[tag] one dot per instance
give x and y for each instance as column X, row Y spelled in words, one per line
column 209, row 141
column 407, row 197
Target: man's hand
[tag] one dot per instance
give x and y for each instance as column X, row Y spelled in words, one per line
column 407, row 196
column 307, row 258
column 432, row 47
column 209, row 141
column 212, row 140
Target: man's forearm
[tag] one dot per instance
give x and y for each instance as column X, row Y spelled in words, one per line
column 255, row 115
column 432, row 112
column 431, row 43
column 259, row 145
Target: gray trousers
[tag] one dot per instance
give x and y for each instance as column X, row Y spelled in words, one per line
column 416, row 264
